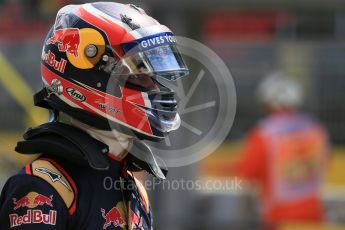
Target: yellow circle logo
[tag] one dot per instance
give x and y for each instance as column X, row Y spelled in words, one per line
column 88, row 37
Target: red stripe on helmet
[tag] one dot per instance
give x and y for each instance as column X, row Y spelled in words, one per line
column 129, row 114
column 133, row 96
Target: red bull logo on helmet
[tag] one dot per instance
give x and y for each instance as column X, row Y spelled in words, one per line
column 67, row 40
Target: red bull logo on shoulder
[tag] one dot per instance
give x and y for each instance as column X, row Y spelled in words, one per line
column 32, row 215
column 67, row 40
column 32, row 200
column 21, row 203
column 43, row 200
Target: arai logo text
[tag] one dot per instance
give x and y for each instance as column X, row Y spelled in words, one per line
column 75, row 94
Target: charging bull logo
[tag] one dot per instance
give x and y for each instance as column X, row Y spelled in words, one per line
column 112, row 217
column 32, row 200
column 67, row 40
column 32, row 215
column 21, row 203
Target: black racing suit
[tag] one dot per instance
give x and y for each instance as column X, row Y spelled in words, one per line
column 53, row 192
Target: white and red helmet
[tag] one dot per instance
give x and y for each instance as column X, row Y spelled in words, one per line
column 101, row 64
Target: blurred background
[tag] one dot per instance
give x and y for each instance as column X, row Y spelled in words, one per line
column 305, row 39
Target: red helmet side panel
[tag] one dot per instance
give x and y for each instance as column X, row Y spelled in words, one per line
column 99, row 103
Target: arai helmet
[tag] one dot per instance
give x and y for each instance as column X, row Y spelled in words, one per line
column 102, row 64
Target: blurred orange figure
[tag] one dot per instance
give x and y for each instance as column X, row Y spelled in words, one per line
column 286, row 154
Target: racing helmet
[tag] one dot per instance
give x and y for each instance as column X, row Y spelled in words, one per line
column 105, row 64
column 278, row 90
